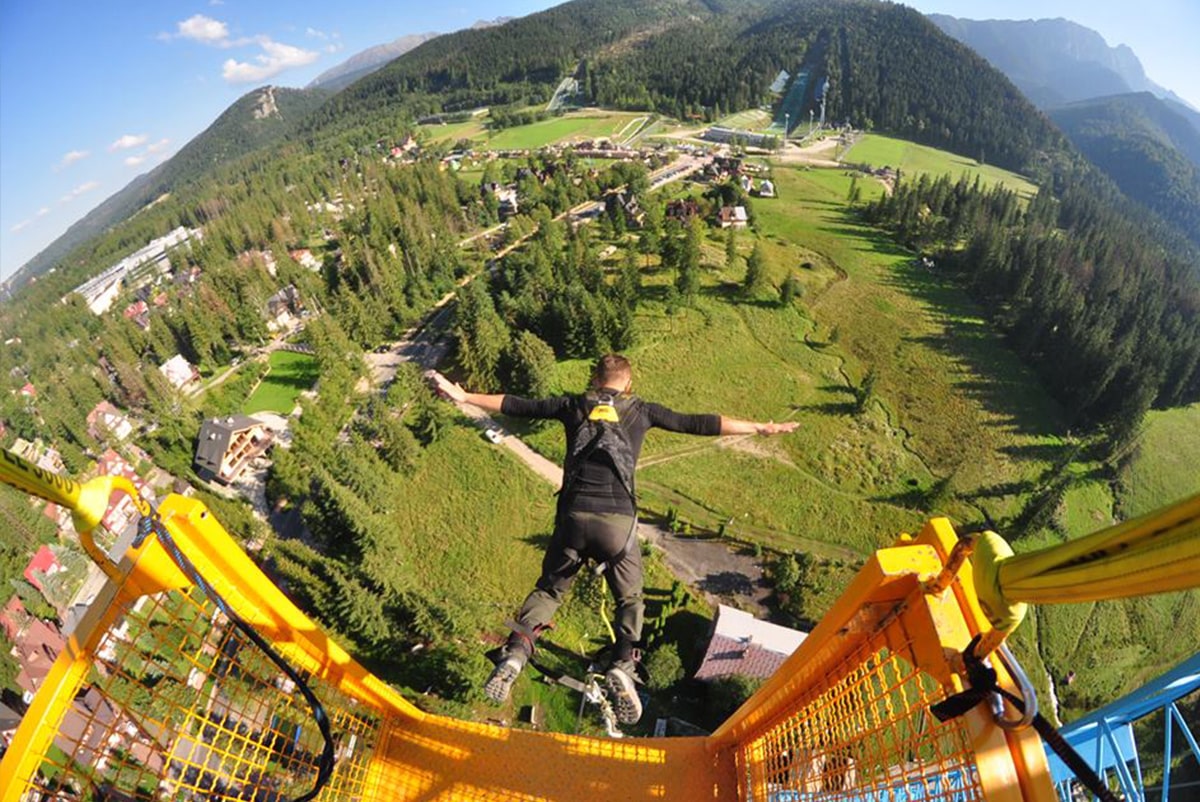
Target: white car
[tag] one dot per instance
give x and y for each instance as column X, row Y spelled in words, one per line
column 494, row 435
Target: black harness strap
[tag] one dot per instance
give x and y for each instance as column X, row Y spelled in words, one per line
column 984, row 682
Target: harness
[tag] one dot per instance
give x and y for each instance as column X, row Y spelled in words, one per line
column 602, row 434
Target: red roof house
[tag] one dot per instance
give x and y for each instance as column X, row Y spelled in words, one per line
column 742, row 644
column 43, row 564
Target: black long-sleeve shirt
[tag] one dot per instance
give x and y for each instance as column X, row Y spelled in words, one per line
column 598, row 486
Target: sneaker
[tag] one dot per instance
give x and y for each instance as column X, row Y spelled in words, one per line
column 502, row 678
column 623, row 691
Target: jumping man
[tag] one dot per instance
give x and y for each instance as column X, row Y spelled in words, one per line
column 596, row 516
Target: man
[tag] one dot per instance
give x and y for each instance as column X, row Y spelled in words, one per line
column 596, row 517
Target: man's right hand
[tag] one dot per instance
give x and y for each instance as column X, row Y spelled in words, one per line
column 449, row 389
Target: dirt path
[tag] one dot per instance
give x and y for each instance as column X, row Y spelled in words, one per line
column 717, row 569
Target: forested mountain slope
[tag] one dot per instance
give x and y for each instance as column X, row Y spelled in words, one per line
column 1151, row 153
column 889, row 67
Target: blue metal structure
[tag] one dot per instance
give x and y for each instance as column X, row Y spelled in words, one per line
column 1104, row 737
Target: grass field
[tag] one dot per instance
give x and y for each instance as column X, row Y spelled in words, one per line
column 589, row 124
column 749, row 120
column 910, row 158
column 290, row 375
column 1166, row 465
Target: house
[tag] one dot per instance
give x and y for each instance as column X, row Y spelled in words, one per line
column 105, row 420
column 304, row 257
column 121, row 509
column 89, row 729
column 626, row 204
column 742, row 644
column 732, row 217
column 29, row 391
column 179, row 372
column 227, row 445
column 39, row 454
column 36, row 650
column 682, row 210
column 506, row 197
column 282, row 306
column 746, row 183
column 766, row 189
column 43, row 564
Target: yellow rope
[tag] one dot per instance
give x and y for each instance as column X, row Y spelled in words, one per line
column 1156, row 553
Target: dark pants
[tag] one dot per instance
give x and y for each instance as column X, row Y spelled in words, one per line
column 577, row 537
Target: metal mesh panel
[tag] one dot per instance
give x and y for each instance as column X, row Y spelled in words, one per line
column 863, row 733
column 179, row 705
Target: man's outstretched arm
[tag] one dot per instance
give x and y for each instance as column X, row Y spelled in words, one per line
column 735, row 426
column 455, row 392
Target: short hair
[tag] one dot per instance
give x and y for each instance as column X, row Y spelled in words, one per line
column 609, row 369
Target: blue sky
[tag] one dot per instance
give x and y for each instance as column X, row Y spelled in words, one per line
column 93, row 94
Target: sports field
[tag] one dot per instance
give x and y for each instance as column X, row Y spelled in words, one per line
column 910, row 158
column 589, row 124
column 290, row 375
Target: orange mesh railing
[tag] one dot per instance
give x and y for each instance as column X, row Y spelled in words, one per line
column 158, row 696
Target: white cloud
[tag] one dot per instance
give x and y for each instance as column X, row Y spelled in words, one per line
column 42, row 212
column 134, row 161
column 72, row 156
column 157, row 146
column 216, row 2
column 315, row 34
column 275, row 58
column 205, row 30
column 23, row 224
column 79, row 190
column 128, row 141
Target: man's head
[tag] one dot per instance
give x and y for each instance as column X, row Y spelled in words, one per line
column 612, row 371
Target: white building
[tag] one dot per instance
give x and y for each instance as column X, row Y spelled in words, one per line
column 179, row 372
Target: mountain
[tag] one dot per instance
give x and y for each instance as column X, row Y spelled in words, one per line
column 368, row 61
column 362, row 64
column 259, row 118
column 1149, row 150
column 1053, row 61
column 890, row 69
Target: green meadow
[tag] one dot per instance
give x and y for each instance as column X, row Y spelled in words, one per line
column 910, row 158
column 589, row 124
column 289, row 375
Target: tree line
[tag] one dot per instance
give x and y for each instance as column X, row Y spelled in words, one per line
column 1086, row 293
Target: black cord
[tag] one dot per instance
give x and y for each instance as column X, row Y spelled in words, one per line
column 151, row 523
column 984, row 681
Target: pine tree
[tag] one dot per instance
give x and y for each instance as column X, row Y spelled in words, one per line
column 756, row 272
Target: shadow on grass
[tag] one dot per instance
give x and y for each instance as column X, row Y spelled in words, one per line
column 1001, row 383
column 879, row 242
column 727, row 583
column 540, row 540
column 834, row 409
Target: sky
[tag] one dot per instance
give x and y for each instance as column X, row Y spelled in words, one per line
column 93, row 94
